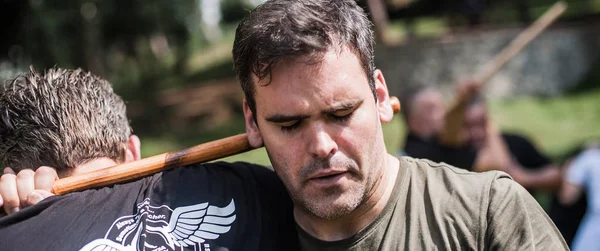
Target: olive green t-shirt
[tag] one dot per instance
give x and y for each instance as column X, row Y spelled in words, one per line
column 439, row 207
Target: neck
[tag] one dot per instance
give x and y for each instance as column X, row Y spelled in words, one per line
column 92, row 165
column 348, row 225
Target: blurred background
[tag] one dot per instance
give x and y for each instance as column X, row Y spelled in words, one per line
column 171, row 61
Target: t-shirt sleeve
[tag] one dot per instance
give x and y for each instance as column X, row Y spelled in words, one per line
column 515, row 221
column 578, row 170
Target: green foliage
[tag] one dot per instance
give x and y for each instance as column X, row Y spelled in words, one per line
column 234, row 10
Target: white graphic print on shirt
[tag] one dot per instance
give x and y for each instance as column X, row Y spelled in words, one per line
column 161, row 228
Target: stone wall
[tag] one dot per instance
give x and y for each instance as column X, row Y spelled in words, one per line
column 555, row 61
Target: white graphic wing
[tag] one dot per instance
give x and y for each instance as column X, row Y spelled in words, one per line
column 195, row 224
column 105, row 245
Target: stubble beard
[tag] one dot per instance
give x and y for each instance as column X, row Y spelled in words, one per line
column 333, row 202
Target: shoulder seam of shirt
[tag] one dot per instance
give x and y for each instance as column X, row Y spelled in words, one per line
column 454, row 169
column 486, row 208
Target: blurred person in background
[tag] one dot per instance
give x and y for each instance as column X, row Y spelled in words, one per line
column 524, row 162
column 435, row 132
column 423, row 113
column 527, row 165
column 583, row 175
column 466, row 138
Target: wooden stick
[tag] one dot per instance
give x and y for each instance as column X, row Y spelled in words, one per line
column 137, row 169
column 520, row 42
column 151, row 165
column 454, row 118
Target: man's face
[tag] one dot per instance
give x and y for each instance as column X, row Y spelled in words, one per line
column 321, row 127
column 429, row 112
column 476, row 120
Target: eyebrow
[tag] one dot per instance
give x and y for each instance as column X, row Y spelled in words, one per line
column 343, row 106
column 280, row 118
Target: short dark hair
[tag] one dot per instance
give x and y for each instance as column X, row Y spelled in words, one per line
column 287, row 29
column 62, row 119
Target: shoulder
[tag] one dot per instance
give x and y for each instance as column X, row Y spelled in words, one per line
column 515, row 138
column 587, row 159
column 242, row 175
column 217, row 171
column 445, row 185
column 433, row 170
column 589, row 155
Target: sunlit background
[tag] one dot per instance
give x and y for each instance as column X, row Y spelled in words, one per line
column 171, row 61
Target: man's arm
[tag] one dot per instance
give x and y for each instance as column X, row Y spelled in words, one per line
column 547, row 178
column 575, row 176
column 530, row 167
column 494, row 155
column 515, row 221
column 455, row 114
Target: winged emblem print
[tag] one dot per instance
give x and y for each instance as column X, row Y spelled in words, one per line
column 187, row 227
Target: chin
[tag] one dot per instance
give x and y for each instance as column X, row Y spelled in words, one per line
column 333, row 206
column 329, row 211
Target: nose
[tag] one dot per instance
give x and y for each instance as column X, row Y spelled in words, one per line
column 321, row 144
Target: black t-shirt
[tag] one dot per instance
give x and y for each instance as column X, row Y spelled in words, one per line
column 525, row 152
column 461, row 157
column 464, row 157
column 213, row 206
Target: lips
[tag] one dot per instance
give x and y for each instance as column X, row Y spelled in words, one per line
column 327, row 179
column 326, row 174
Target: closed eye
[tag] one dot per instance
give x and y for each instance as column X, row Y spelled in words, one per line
column 342, row 116
column 289, row 125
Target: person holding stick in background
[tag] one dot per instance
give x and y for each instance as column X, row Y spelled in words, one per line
column 432, row 131
column 583, row 175
column 316, row 102
column 467, row 139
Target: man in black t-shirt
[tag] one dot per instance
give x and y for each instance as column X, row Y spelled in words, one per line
column 423, row 113
column 526, row 164
column 529, row 167
column 426, row 121
column 73, row 121
column 211, row 206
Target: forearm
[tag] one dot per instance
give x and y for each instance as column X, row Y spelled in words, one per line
column 450, row 134
column 494, row 155
column 455, row 114
column 547, row 178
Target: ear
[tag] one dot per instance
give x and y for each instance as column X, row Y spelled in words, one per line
column 386, row 113
column 133, row 148
column 252, row 130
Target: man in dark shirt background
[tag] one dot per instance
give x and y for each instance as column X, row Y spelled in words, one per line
column 471, row 133
column 424, row 115
column 528, row 166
